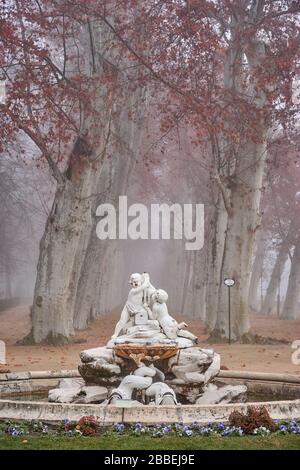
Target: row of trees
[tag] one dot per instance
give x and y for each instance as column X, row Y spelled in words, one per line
column 24, row 196
column 89, row 83
column 280, row 234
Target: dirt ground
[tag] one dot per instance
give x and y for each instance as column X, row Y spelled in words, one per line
column 15, row 324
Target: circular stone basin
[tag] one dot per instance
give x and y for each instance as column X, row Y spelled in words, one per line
column 285, row 393
column 138, row 352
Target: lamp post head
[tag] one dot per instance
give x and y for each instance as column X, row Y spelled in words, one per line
column 229, row 282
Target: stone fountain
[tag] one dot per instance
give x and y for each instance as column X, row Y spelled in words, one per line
column 150, row 359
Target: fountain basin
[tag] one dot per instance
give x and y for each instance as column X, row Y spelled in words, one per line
column 139, row 352
column 42, row 411
column 282, row 400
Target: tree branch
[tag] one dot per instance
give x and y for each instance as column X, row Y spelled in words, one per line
column 225, row 197
column 39, row 143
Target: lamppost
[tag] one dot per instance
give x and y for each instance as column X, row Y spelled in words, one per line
column 229, row 283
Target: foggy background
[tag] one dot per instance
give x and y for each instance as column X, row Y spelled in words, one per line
column 26, row 196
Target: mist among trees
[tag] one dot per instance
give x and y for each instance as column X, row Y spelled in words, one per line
column 165, row 102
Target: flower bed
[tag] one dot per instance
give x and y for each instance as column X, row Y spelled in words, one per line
column 254, row 422
column 70, row 429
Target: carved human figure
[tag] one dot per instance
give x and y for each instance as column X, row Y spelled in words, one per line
column 141, row 379
column 147, row 378
column 162, row 393
column 169, row 325
column 136, row 310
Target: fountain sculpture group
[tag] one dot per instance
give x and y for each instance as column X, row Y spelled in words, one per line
column 150, row 358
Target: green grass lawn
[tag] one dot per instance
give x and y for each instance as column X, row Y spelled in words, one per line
column 150, row 443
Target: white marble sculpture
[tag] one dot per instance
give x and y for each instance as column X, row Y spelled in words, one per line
column 145, row 316
column 162, row 394
column 143, row 378
column 169, row 325
column 145, row 320
column 228, row 394
column 139, row 380
column 136, row 319
column 195, row 365
column 145, row 324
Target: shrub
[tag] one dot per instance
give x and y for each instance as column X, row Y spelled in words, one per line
column 87, row 425
column 254, row 418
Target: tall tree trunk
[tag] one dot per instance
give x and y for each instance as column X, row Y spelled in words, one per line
column 256, row 272
column 186, row 280
column 71, row 224
column 173, row 275
column 8, row 279
column 238, row 175
column 291, row 308
column 233, row 252
column 216, row 241
column 272, row 289
column 61, row 249
column 97, row 292
column 196, row 286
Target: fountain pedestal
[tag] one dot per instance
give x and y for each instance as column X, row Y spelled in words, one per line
column 186, row 370
column 150, row 356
